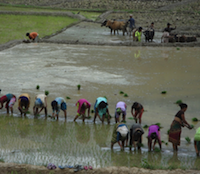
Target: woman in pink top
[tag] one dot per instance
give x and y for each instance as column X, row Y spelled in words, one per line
column 82, row 105
column 120, row 109
column 154, row 133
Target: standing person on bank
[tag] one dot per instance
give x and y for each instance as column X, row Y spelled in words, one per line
column 175, row 129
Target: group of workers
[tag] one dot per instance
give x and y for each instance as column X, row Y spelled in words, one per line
column 121, row 132
column 137, row 32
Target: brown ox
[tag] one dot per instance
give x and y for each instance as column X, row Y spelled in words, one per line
column 116, row 25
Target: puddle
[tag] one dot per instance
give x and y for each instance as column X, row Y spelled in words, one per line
column 141, row 72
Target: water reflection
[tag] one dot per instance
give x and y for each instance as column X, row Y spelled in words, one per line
column 39, row 142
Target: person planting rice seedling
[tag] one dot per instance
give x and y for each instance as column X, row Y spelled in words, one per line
column 120, row 109
column 33, row 36
column 59, row 104
column 24, row 103
column 175, row 129
column 136, row 133
column 154, row 134
column 10, row 100
column 197, row 141
column 138, row 111
column 101, row 108
column 40, row 102
column 82, row 105
column 120, row 133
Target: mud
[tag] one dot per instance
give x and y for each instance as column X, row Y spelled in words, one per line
column 24, row 169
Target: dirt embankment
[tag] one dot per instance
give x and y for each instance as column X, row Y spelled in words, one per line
column 25, row 169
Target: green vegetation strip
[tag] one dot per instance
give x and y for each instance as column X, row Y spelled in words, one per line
column 93, row 15
column 14, row 27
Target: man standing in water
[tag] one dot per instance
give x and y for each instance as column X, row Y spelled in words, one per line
column 131, row 24
column 168, row 28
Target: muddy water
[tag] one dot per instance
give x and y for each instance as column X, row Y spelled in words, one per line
column 93, row 32
column 141, row 72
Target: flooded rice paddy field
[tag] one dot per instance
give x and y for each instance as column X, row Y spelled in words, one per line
column 141, row 72
column 93, row 32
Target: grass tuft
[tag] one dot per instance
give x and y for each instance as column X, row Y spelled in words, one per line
column 79, row 86
column 178, row 102
column 68, row 97
column 163, row 92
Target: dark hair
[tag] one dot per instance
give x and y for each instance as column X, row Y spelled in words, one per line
column 27, row 34
column 154, row 135
column 152, row 23
column 83, row 107
column 140, row 28
column 135, row 105
column 102, row 105
column 138, row 133
column 24, row 102
column 54, row 105
column 183, row 105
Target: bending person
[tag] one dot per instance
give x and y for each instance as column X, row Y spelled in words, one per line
column 138, row 111
column 175, row 129
column 24, row 103
column 33, row 36
column 101, row 109
column 10, row 100
column 40, row 102
column 120, row 133
column 120, row 109
column 154, row 134
column 59, row 104
column 82, row 105
column 197, row 141
column 136, row 133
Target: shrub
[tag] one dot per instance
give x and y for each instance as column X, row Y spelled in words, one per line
column 121, row 92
